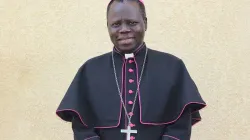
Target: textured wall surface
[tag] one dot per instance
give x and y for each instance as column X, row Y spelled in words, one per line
column 43, row 43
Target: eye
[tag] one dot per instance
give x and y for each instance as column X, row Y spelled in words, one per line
column 116, row 24
column 132, row 23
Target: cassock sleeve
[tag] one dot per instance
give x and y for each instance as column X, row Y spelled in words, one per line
column 188, row 103
column 180, row 130
column 75, row 108
column 81, row 132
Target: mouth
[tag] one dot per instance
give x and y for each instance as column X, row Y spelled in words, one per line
column 126, row 41
column 125, row 38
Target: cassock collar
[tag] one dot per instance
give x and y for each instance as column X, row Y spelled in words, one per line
column 139, row 51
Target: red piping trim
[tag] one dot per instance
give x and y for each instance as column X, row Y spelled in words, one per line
column 146, row 123
column 91, row 137
column 171, row 137
column 125, row 92
column 100, row 126
column 123, row 65
column 58, row 111
column 196, row 121
column 163, row 123
column 139, row 48
column 138, row 88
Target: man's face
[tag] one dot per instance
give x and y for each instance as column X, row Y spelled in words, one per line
column 126, row 25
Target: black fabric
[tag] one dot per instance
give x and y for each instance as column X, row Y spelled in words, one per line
column 166, row 91
column 81, row 132
column 181, row 129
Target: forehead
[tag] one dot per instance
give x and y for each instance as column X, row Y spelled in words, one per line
column 124, row 10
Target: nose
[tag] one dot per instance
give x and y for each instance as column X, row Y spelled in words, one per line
column 124, row 29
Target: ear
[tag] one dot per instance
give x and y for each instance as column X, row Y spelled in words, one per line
column 146, row 23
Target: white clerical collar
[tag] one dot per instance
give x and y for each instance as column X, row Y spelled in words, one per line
column 129, row 55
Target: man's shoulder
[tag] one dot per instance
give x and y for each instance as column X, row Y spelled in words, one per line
column 96, row 60
column 168, row 62
column 99, row 58
column 162, row 56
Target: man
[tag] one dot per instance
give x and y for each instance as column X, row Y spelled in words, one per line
column 132, row 92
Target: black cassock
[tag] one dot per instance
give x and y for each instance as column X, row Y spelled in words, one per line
column 167, row 106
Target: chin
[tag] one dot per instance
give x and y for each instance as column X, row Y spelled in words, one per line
column 126, row 48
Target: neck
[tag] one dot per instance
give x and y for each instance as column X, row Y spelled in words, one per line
column 129, row 51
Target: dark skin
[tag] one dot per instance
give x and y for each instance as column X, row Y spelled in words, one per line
column 126, row 25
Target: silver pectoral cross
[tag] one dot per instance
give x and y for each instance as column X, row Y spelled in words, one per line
column 129, row 132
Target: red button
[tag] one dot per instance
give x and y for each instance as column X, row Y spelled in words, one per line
column 131, row 80
column 130, row 61
column 132, row 138
column 132, row 125
column 130, row 91
column 130, row 113
column 131, row 70
column 130, row 102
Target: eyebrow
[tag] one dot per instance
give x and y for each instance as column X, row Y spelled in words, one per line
column 125, row 19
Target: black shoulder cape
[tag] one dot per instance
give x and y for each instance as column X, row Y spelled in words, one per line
column 166, row 91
